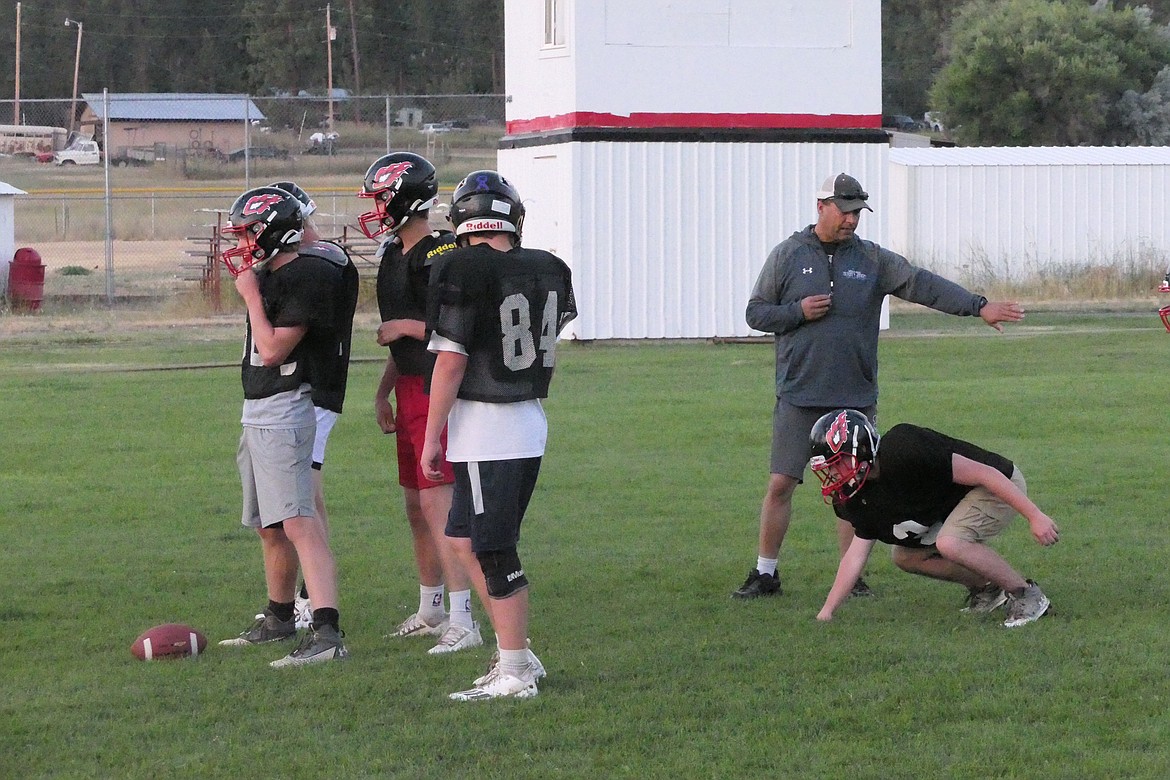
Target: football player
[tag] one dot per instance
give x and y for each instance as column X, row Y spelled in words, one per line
column 404, row 187
column 937, row 500
column 497, row 311
column 329, row 392
column 292, row 332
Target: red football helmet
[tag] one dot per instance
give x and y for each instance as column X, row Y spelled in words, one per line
column 402, row 184
column 263, row 222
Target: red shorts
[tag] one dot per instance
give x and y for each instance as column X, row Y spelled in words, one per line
column 411, row 421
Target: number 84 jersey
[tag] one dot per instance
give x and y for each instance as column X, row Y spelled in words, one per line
column 506, row 309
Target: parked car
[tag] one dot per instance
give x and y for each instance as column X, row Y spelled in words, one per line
column 906, row 124
column 435, row 127
column 258, row 153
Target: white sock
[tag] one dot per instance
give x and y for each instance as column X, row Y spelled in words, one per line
column 430, row 600
column 514, row 662
column 766, row 565
column 460, row 601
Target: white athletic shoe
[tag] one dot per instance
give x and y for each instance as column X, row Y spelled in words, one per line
column 418, row 626
column 457, row 638
column 537, row 667
column 1029, row 606
column 303, row 612
column 501, row 686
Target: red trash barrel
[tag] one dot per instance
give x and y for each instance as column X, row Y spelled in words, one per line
column 26, row 280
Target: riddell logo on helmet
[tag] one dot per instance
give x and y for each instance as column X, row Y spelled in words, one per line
column 386, row 177
column 258, row 204
column 485, row 225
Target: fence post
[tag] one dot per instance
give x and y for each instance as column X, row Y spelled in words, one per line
column 109, row 202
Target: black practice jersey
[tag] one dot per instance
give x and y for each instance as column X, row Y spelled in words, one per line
column 915, row 489
column 330, row 380
column 403, row 281
column 506, row 309
column 300, row 293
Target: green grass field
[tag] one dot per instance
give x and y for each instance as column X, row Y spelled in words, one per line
column 119, row 504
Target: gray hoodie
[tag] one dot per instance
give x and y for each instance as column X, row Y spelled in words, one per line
column 832, row 362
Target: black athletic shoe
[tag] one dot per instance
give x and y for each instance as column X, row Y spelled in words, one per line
column 861, row 588
column 757, row 585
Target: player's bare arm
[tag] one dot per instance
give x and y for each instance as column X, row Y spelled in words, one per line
column 393, row 330
column 446, row 378
column 383, row 409
column 968, row 472
column 850, row 568
column 272, row 344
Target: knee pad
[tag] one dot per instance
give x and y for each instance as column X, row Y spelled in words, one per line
column 503, row 572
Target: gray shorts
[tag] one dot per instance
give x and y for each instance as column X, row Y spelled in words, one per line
column 276, row 474
column 981, row 515
column 791, row 426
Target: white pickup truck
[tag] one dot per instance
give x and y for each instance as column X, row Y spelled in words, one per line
column 80, row 152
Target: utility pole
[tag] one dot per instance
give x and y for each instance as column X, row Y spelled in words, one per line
column 16, row 96
column 76, row 68
column 330, row 33
column 357, row 73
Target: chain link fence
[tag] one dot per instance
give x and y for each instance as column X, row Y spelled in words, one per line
column 137, row 223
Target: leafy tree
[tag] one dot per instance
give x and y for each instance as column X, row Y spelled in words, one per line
column 1045, row 72
column 1146, row 117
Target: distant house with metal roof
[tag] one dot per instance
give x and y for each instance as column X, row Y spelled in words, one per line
column 198, row 123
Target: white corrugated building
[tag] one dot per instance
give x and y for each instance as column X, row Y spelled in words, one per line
column 1012, row 212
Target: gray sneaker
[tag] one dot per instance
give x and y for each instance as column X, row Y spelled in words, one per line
column 267, row 628
column 1027, row 607
column 980, row 601
column 317, row 645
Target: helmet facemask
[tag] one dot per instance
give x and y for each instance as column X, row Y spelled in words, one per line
column 380, row 220
column 247, row 253
column 841, row 476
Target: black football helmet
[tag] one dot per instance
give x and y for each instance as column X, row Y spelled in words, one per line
column 401, row 184
column 308, row 205
column 486, row 202
column 834, row 436
column 262, row 222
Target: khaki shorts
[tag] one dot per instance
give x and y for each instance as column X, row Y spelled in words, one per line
column 276, row 475
column 791, row 425
column 981, row 515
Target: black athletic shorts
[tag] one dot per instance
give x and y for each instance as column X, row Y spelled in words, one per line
column 490, row 500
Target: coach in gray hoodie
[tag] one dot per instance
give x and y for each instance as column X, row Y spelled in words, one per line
column 820, row 292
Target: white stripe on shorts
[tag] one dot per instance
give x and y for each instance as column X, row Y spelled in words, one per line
column 476, row 487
